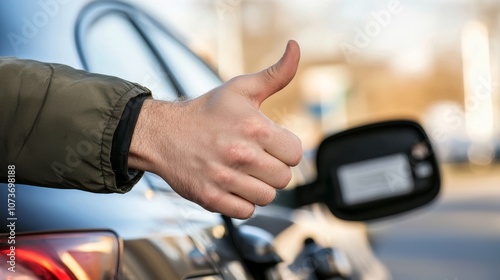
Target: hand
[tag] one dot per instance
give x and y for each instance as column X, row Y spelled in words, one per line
column 219, row 150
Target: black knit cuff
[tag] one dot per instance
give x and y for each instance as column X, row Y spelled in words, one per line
column 122, row 138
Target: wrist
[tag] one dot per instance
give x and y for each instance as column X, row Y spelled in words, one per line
column 140, row 155
column 148, row 149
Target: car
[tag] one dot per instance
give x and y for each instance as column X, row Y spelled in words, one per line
column 151, row 232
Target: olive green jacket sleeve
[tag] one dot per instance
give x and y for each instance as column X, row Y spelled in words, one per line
column 57, row 125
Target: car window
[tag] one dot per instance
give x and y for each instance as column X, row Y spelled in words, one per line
column 192, row 74
column 120, row 40
column 113, row 46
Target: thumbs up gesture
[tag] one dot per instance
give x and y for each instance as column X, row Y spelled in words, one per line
column 219, row 150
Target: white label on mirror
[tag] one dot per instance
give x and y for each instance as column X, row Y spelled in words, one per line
column 375, row 179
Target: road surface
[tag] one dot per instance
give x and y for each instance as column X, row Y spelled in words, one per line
column 455, row 238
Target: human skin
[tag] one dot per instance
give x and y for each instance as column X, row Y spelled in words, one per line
column 219, row 150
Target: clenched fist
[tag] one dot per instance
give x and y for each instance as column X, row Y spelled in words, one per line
column 219, row 150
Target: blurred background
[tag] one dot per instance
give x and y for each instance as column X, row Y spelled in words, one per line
column 437, row 62
column 434, row 61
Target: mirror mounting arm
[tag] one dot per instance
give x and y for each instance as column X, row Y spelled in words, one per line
column 300, row 195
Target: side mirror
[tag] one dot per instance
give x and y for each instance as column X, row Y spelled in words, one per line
column 373, row 171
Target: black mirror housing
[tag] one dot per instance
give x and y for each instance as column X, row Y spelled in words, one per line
column 372, row 171
column 377, row 170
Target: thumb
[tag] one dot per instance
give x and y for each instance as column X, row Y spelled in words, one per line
column 261, row 85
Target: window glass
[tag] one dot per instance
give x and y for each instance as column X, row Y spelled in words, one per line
column 113, row 46
column 194, row 76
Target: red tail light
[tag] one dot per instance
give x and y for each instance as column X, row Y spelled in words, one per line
column 60, row 256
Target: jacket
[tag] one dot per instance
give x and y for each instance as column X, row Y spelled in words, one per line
column 60, row 127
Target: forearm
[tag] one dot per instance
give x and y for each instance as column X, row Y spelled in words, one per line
column 58, row 124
